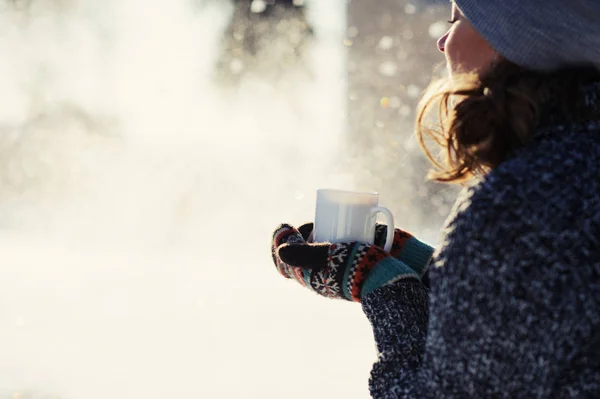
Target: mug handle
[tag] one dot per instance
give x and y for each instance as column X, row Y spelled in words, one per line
column 389, row 239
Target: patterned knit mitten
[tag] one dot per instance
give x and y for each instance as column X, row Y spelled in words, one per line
column 406, row 248
column 343, row 270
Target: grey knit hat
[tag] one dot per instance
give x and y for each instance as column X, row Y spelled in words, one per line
column 542, row 35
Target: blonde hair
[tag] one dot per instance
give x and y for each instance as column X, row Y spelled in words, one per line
column 480, row 120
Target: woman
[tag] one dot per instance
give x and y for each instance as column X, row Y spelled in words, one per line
column 509, row 305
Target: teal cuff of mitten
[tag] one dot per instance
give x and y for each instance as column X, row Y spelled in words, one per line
column 416, row 255
column 386, row 272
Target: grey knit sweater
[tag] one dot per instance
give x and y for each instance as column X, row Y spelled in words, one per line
column 513, row 308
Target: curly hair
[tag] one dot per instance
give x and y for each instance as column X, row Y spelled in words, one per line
column 482, row 119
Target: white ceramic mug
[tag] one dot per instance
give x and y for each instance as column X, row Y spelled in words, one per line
column 349, row 216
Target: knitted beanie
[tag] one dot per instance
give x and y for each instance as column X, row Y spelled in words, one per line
column 540, row 35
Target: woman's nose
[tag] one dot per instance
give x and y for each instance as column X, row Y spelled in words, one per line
column 441, row 43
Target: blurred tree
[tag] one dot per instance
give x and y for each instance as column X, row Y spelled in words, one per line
column 264, row 39
column 267, row 7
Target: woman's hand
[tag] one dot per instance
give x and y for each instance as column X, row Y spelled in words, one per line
column 405, row 247
column 342, row 270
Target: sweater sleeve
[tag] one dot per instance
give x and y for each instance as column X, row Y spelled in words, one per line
column 500, row 316
column 399, row 315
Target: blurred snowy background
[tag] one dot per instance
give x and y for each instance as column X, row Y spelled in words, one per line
column 147, row 151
